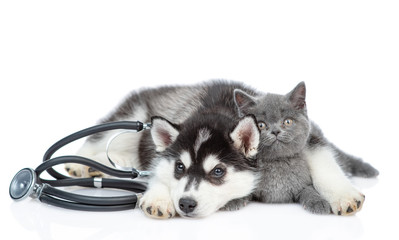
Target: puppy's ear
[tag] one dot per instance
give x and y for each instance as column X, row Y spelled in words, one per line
column 163, row 133
column 246, row 136
column 243, row 101
column 297, row 96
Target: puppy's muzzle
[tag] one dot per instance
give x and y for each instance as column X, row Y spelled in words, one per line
column 187, row 205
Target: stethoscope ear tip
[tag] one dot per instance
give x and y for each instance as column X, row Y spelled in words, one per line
column 23, row 184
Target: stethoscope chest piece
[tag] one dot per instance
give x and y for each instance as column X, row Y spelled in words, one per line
column 23, row 184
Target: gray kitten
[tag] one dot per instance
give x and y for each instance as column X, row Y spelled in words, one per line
column 286, row 132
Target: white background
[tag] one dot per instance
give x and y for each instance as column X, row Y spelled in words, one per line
column 64, row 65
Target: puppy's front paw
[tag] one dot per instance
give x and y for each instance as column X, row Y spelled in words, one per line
column 347, row 202
column 157, row 206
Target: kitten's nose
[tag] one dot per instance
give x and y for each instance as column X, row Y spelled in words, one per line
column 276, row 132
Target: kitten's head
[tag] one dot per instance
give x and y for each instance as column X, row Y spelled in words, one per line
column 282, row 119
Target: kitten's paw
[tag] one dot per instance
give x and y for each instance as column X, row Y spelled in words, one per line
column 347, row 202
column 317, row 206
column 235, row 204
column 157, row 206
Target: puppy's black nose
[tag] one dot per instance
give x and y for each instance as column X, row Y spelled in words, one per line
column 187, row 205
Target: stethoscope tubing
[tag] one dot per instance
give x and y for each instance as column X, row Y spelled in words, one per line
column 45, row 191
column 138, row 126
column 87, row 207
column 89, row 200
column 47, row 165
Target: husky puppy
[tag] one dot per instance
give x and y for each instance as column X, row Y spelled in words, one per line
column 199, row 163
column 178, row 104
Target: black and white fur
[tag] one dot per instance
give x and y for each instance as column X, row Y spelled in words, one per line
column 187, row 105
column 199, row 163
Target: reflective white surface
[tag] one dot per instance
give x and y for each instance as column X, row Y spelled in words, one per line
column 35, row 220
column 64, row 65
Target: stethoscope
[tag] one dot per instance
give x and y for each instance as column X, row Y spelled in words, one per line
column 27, row 182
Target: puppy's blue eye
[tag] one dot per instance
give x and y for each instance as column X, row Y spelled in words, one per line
column 218, row 172
column 180, row 167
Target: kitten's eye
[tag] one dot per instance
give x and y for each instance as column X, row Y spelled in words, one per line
column 288, row 122
column 179, row 168
column 262, row 125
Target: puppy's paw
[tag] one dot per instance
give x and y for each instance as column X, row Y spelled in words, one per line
column 74, row 170
column 91, row 172
column 77, row 170
column 157, row 206
column 317, row 206
column 347, row 202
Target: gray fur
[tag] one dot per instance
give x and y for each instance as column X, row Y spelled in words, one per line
column 161, row 102
column 351, row 165
column 285, row 176
column 158, row 102
column 283, row 168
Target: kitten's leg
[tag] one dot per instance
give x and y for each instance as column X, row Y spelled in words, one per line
column 236, row 204
column 311, row 200
column 353, row 166
column 332, row 184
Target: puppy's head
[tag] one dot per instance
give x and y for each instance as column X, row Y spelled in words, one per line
column 206, row 162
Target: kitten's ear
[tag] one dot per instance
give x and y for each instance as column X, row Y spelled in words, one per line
column 246, row 135
column 163, row 133
column 297, row 96
column 243, row 101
